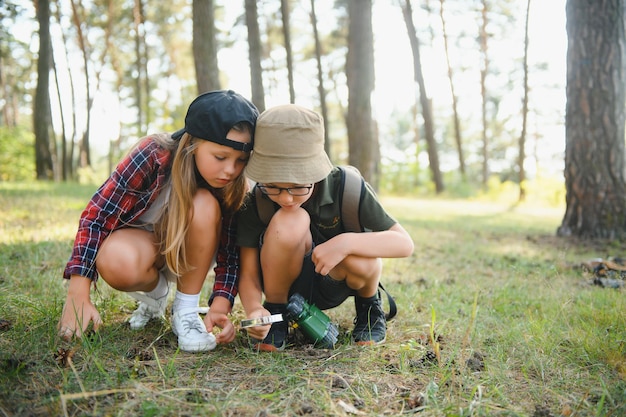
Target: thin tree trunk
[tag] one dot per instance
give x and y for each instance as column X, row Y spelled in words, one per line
column 254, row 52
column 85, row 157
column 522, row 138
column 137, row 24
column 320, row 79
column 284, row 11
column 42, row 118
column 483, row 91
column 455, row 113
column 429, row 130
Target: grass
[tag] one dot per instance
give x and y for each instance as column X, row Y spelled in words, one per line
column 496, row 318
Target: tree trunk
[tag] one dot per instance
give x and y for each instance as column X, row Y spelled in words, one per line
column 254, row 52
column 594, row 121
column 84, row 149
column 204, row 46
column 362, row 140
column 522, row 138
column 455, row 113
column 483, row 90
column 429, row 130
column 320, row 79
column 284, row 11
column 41, row 113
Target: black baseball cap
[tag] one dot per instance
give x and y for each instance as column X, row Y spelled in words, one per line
column 211, row 116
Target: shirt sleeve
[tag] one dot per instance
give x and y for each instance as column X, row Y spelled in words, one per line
column 249, row 226
column 227, row 262
column 122, row 197
column 372, row 214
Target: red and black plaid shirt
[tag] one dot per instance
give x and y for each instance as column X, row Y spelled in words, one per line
column 123, row 198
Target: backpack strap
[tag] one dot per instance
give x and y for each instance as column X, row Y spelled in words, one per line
column 393, row 309
column 351, row 198
column 350, row 202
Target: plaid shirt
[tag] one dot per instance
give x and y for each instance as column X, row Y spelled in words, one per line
column 123, row 198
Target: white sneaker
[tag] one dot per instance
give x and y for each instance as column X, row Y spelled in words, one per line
column 191, row 331
column 149, row 308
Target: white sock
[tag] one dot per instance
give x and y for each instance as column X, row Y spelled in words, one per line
column 182, row 300
column 160, row 290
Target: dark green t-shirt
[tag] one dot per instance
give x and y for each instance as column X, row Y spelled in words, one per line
column 323, row 207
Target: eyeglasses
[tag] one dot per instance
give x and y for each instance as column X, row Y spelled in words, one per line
column 294, row 191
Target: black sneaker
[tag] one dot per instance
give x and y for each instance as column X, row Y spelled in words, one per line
column 276, row 339
column 370, row 327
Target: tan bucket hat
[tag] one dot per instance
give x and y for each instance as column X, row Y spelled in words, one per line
column 289, row 147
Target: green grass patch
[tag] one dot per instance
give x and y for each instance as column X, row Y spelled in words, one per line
column 496, row 318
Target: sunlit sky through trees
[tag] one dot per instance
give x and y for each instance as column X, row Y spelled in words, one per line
column 395, row 90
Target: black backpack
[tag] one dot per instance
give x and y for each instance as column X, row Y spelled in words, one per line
column 353, row 185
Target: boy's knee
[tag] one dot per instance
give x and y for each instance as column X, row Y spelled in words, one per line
column 290, row 223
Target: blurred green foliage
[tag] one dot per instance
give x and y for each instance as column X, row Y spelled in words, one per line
column 17, row 154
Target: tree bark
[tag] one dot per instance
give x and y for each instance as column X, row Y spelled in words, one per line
column 42, row 117
column 483, row 91
column 320, row 80
column 594, row 121
column 254, row 53
column 204, row 46
column 284, row 12
column 429, row 130
column 455, row 113
column 362, row 140
column 522, row 138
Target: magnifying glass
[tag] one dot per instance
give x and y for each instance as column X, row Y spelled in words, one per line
column 261, row 321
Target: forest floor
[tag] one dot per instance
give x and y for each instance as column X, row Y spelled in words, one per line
column 497, row 317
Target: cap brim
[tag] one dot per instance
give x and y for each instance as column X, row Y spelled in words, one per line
column 178, row 134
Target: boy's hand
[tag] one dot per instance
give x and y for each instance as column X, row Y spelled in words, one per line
column 258, row 332
column 326, row 256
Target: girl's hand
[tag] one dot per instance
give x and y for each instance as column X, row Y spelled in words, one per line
column 258, row 332
column 221, row 320
column 78, row 311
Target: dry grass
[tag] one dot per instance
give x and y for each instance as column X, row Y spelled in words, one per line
column 496, row 318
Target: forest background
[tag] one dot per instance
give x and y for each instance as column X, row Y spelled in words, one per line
column 125, row 69
column 498, row 316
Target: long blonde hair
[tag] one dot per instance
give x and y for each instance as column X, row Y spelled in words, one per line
column 173, row 224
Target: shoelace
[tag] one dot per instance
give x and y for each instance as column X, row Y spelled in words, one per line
column 191, row 321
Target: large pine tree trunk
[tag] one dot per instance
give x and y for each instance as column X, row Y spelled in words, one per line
column 594, row 152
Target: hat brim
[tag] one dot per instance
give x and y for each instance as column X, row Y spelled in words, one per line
column 267, row 169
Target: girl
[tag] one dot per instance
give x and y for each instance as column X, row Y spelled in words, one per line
column 164, row 214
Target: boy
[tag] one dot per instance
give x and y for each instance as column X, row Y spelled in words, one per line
column 305, row 248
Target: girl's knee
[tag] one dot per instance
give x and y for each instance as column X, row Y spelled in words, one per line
column 207, row 212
